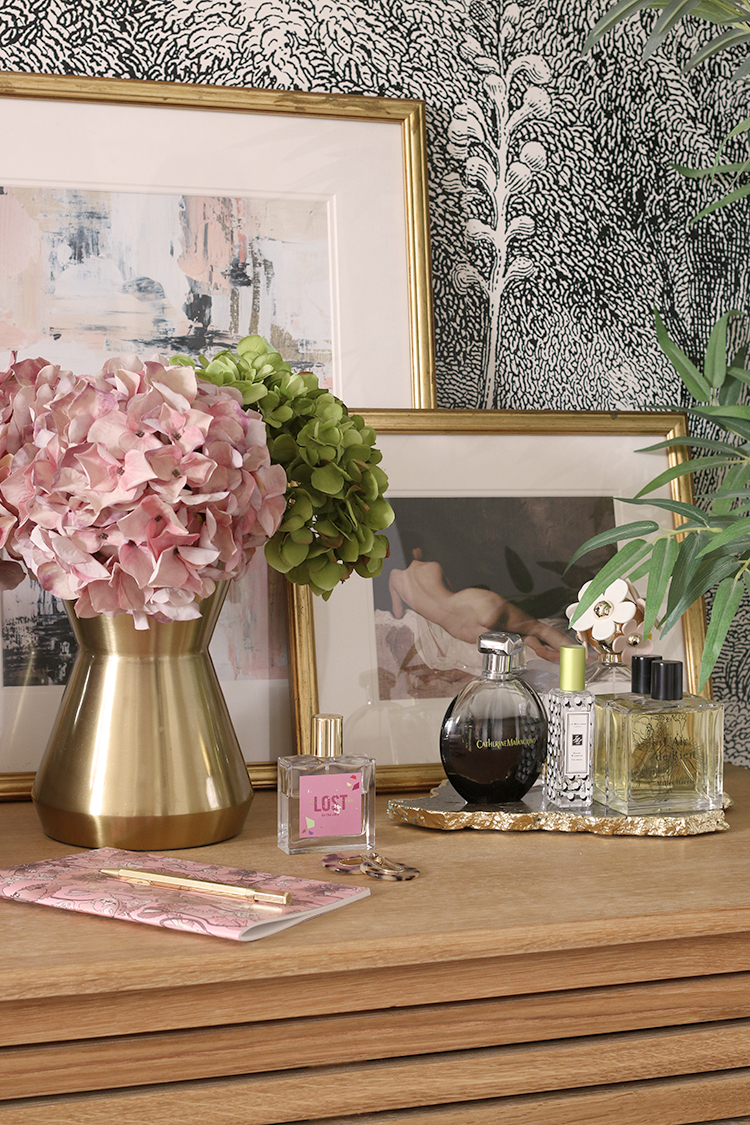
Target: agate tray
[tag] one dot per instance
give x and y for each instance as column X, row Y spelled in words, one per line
column 446, row 811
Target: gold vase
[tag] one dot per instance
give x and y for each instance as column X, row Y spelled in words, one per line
column 143, row 754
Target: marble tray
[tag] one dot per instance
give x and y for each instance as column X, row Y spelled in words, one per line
column 446, row 811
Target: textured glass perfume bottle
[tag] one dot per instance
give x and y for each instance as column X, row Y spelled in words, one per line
column 326, row 800
column 640, row 688
column 494, row 735
column 665, row 752
column 569, row 777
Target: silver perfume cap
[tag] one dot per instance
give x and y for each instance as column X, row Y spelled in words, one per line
column 498, row 650
column 327, row 736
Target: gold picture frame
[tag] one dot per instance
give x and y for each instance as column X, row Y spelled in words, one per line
column 462, row 453
column 163, row 117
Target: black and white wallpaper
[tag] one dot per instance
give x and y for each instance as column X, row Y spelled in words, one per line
column 557, row 223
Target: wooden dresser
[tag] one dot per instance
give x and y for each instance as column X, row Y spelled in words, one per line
column 524, row 979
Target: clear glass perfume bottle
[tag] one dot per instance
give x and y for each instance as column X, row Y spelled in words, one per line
column 326, row 800
column 494, row 735
column 640, row 687
column 569, row 777
column 665, row 751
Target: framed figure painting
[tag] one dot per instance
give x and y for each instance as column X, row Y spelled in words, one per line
column 163, row 218
column 490, row 506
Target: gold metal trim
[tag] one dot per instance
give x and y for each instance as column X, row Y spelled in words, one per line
column 663, row 424
column 16, row 786
column 408, row 779
column 408, row 113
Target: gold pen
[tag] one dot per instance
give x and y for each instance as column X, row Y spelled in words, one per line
column 204, row 886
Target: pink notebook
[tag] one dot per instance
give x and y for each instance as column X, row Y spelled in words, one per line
column 76, row 883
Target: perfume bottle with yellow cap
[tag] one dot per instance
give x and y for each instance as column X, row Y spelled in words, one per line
column 326, row 799
column 569, row 778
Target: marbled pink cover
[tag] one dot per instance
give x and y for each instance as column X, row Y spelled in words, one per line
column 76, row 883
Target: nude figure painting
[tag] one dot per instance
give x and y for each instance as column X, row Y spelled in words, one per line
column 463, row 566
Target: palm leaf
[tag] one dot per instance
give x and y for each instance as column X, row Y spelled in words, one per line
column 682, row 470
column 685, row 368
column 715, row 363
column 739, row 530
column 615, row 535
column 688, row 511
column 720, row 11
column 743, row 495
column 737, row 477
column 698, row 443
column 698, row 580
column 729, row 394
column 726, row 603
column 670, row 17
column 724, row 417
column 730, row 38
column 725, row 201
column 663, row 558
column 742, row 70
column 714, row 170
column 613, row 16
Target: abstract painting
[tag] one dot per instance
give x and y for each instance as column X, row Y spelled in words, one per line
column 87, row 274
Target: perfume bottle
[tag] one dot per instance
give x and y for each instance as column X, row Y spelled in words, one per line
column 665, row 750
column 640, row 687
column 569, row 780
column 494, row 735
column 326, row 799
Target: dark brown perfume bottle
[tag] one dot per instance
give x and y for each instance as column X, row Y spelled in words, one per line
column 493, row 740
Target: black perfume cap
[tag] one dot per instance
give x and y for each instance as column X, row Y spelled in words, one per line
column 666, row 679
column 640, row 674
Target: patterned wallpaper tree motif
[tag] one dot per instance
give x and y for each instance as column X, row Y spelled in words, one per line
column 496, row 172
column 557, row 223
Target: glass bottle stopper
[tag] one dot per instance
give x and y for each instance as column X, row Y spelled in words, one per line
column 327, row 735
column 572, row 667
column 498, row 650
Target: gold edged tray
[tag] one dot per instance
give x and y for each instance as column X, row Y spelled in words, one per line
column 446, row 811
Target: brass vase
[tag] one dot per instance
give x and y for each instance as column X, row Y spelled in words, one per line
column 143, row 753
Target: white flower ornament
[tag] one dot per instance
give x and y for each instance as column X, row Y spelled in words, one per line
column 612, row 609
column 631, row 643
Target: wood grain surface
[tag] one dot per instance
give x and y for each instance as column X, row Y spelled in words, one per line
column 523, row 978
column 481, row 894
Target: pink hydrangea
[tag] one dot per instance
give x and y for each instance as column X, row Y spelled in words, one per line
column 134, row 490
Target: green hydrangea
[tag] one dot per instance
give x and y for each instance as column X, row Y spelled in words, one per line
column 335, row 507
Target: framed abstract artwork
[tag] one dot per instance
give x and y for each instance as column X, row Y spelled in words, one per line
column 163, row 218
column 490, row 506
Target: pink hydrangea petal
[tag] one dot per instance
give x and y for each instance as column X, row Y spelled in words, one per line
column 133, row 490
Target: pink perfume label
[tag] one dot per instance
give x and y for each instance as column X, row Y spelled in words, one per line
column 330, row 805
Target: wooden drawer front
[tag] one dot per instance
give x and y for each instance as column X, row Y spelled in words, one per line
column 513, row 1078
column 242, row 1049
column 82, row 1016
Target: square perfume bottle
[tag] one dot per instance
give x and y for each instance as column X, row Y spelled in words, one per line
column 640, row 688
column 665, row 751
column 326, row 799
